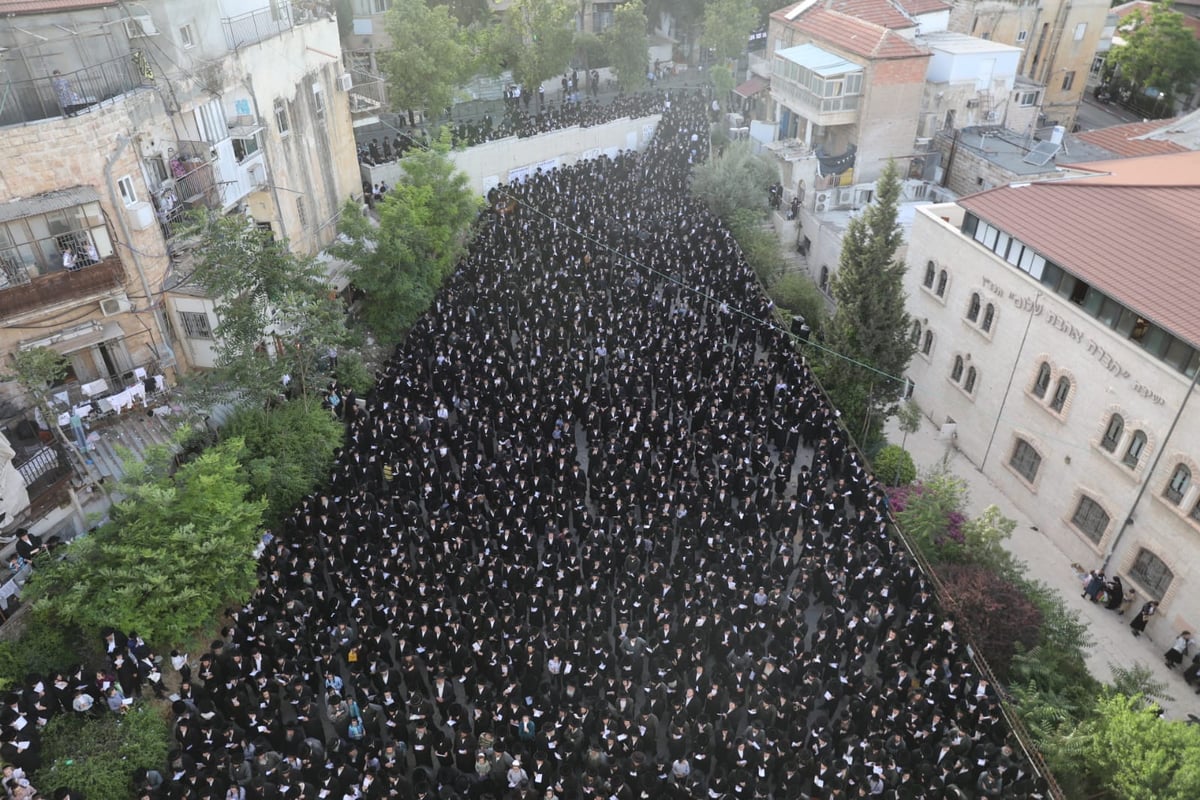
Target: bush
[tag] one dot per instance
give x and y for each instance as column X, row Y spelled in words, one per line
column 796, row 292
column 352, row 371
column 738, row 180
column 760, row 246
column 894, row 466
column 43, row 646
column 992, row 611
column 930, row 512
column 288, row 451
column 97, row 757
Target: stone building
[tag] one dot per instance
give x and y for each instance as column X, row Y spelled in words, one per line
column 1057, row 342
column 1058, row 41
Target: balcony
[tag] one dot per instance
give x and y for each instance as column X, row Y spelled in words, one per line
column 820, row 86
column 823, row 111
column 66, row 94
column 62, row 286
column 278, row 17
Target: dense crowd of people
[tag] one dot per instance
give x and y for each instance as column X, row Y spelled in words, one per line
column 594, row 534
column 521, row 119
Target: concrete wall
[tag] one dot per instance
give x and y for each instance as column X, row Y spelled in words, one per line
column 199, row 353
column 504, row 160
column 887, row 123
column 1109, row 375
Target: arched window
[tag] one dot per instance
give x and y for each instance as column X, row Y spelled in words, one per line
column 956, row 373
column 1061, row 393
column 1150, row 571
column 969, row 383
column 1025, row 460
column 927, row 345
column 916, row 333
column 975, row 307
column 943, row 278
column 825, row 278
column 1043, row 381
column 1177, row 487
column 1112, row 434
column 989, row 316
column 930, row 275
column 1090, row 518
column 1134, row 452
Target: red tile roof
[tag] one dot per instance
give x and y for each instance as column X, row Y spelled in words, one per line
column 918, row 7
column 1125, row 9
column 880, row 12
column 1123, row 141
column 49, row 6
column 1132, row 234
column 854, row 35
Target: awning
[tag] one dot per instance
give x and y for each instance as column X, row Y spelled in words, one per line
column 816, row 60
column 45, row 203
column 751, row 87
column 74, row 339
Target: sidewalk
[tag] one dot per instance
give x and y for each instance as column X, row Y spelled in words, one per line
column 1114, row 643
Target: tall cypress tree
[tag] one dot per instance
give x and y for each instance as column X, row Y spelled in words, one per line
column 870, row 324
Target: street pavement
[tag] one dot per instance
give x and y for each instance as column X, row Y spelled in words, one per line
column 1093, row 114
column 1044, row 561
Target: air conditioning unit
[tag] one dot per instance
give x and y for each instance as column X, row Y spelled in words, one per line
column 346, row 81
column 973, row 102
column 822, row 201
column 111, row 306
column 140, row 25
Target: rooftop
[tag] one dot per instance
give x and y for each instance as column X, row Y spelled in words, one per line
column 1129, row 141
column 954, row 42
column 1009, row 150
column 1128, row 230
column 1125, row 9
column 850, row 33
column 47, row 6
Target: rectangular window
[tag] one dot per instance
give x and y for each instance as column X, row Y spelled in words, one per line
column 281, row 117
column 1027, row 99
column 1150, row 571
column 1068, row 80
column 187, row 37
column 128, row 195
column 1025, row 460
column 319, row 100
column 301, row 214
column 1090, row 518
column 245, row 146
column 1080, row 31
column 195, row 324
column 1022, row 36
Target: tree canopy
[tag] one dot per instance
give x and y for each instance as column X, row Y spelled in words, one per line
column 177, row 549
column 536, row 40
column 1159, row 51
column 430, row 56
column 736, row 180
column 276, row 313
column 625, row 44
column 870, row 326
column 423, row 229
column 727, row 26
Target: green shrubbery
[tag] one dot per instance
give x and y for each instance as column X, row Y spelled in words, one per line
column 894, row 466
column 97, row 757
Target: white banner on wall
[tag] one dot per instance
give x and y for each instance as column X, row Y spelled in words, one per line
column 519, row 174
column 548, row 164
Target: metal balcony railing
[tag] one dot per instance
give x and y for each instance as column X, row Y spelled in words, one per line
column 65, row 285
column 255, row 26
column 64, row 94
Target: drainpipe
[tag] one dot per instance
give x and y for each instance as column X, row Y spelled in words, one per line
column 1112, row 547
column 122, row 143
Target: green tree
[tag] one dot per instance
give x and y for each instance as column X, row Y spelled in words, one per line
column 736, row 180
column 468, row 12
column 930, row 513
column 1136, row 755
column 536, row 40
column 796, row 293
column 37, row 370
column 1159, row 52
column 177, row 548
column 727, row 27
column 430, row 57
column 870, row 326
column 288, row 451
column 96, row 757
column 276, row 313
column 423, row 229
column 894, row 466
column 626, row 45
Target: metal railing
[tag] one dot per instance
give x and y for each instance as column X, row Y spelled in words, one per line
column 256, row 26
column 62, row 286
column 43, row 461
column 69, row 251
column 65, row 94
